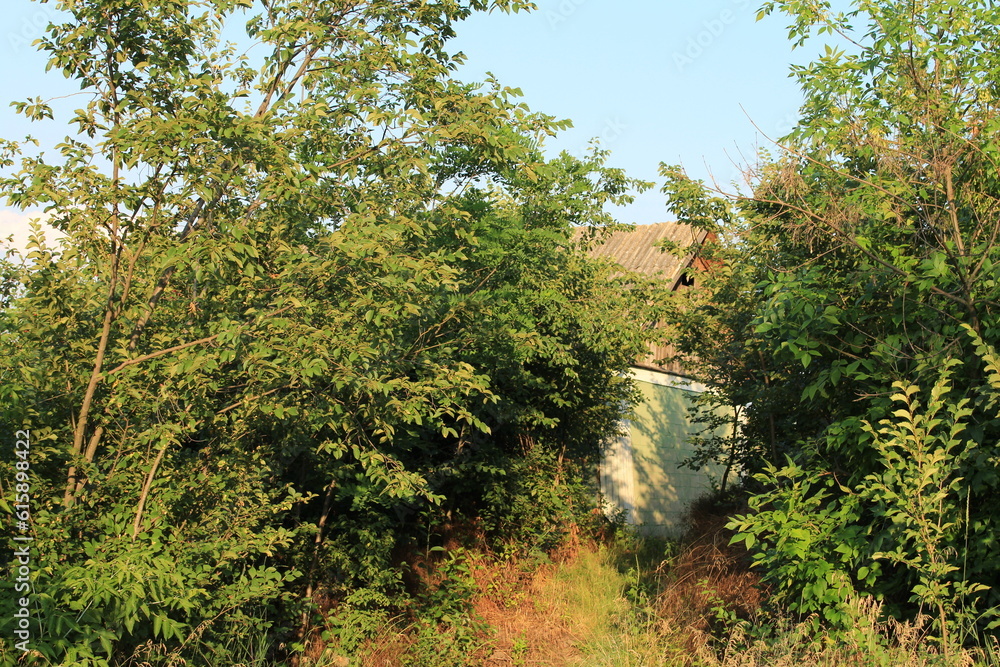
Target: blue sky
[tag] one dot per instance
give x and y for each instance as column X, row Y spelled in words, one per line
column 658, row 81
column 696, row 83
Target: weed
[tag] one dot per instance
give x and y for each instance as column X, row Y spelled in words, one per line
column 519, row 651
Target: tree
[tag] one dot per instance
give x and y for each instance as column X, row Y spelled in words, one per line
column 275, row 326
column 862, row 307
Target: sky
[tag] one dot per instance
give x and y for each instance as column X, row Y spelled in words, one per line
column 701, row 84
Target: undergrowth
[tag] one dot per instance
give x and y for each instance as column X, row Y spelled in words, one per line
column 714, row 606
column 616, row 600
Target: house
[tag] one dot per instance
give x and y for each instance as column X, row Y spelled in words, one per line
column 640, row 471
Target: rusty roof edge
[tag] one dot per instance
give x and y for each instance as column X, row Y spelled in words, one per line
column 629, row 256
column 688, row 260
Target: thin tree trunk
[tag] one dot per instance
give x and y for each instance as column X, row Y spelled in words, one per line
column 145, row 490
column 80, row 427
column 317, row 543
column 77, row 483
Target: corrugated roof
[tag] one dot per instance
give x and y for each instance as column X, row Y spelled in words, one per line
column 637, row 250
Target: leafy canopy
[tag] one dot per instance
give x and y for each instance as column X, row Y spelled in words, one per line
column 857, row 298
column 311, row 289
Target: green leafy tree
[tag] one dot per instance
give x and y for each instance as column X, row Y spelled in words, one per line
column 296, row 296
column 851, row 279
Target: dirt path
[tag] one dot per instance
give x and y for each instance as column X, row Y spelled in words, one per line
column 531, row 626
column 562, row 614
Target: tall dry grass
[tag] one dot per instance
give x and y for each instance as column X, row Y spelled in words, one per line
column 623, row 601
column 712, row 603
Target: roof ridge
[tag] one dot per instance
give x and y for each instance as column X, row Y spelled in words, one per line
column 636, row 249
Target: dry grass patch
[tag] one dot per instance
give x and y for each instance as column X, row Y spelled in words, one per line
column 515, row 600
column 708, row 585
column 874, row 642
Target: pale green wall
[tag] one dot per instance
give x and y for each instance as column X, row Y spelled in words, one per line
column 658, row 492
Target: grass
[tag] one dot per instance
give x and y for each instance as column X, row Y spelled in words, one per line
column 631, row 602
column 645, row 602
column 616, row 601
column 604, row 607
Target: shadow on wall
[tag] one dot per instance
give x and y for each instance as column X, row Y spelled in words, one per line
column 641, row 473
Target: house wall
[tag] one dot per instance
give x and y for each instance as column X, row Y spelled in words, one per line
column 640, row 471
